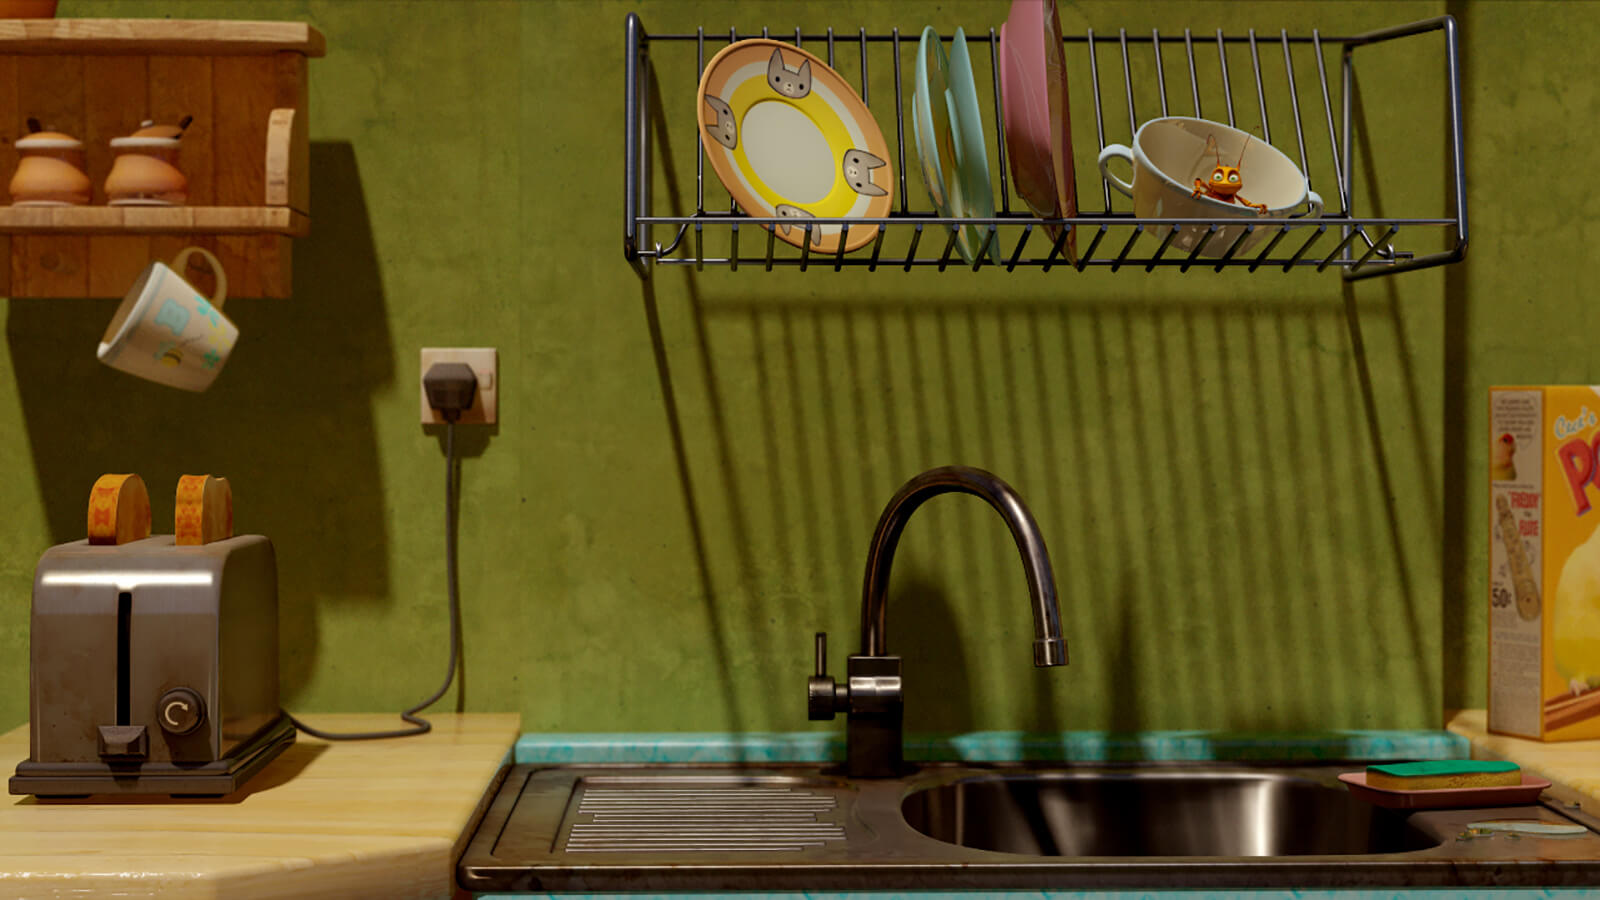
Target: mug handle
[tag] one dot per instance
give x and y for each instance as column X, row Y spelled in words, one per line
column 1116, row 151
column 181, row 262
column 1313, row 204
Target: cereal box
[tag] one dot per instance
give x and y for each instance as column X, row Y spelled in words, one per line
column 1544, row 561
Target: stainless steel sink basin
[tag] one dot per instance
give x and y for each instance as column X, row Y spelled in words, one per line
column 962, row 827
column 1158, row 813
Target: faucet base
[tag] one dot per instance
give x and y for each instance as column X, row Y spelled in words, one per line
column 877, row 710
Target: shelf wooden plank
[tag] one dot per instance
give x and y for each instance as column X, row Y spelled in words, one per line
column 65, row 220
column 8, row 162
column 195, row 37
column 52, row 263
column 112, row 86
column 181, row 86
column 244, row 91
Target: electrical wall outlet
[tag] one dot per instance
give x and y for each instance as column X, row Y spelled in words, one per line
column 485, row 363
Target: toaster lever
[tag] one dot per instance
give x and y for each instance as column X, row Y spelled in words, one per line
column 124, row 742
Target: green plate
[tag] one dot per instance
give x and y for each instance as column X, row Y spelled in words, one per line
column 948, row 127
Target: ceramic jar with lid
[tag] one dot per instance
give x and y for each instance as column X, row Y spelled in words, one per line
column 145, row 171
column 50, row 172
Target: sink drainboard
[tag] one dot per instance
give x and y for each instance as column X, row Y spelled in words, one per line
column 702, row 818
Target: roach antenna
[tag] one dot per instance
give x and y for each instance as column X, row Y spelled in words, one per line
column 1242, row 149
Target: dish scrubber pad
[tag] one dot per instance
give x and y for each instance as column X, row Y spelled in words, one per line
column 1443, row 774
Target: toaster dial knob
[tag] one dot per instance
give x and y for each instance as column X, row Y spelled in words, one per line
column 180, row 711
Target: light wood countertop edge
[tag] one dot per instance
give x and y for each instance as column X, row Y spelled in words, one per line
column 372, row 828
column 1571, row 767
column 478, row 811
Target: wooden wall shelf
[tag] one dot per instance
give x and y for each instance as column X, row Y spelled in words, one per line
column 197, row 220
column 194, row 37
column 245, row 154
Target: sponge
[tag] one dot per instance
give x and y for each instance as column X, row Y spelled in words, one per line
column 1443, row 774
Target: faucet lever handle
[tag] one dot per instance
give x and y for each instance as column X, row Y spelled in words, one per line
column 823, row 698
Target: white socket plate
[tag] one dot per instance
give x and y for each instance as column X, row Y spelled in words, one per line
column 485, row 363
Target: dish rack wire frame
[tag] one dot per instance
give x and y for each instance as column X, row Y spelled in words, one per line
column 1356, row 253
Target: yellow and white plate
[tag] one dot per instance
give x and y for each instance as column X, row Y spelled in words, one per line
column 789, row 137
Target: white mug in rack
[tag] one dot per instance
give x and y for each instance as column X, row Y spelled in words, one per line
column 1169, row 154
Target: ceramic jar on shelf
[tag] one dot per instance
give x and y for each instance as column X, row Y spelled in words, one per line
column 145, row 171
column 50, row 172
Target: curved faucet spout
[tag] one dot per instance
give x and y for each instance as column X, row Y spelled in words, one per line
column 1049, row 647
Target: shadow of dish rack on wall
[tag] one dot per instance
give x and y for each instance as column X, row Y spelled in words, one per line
column 1360, row 246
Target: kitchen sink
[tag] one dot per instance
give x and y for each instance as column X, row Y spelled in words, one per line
column 1158, row 813
column 989, row 827
column 879, row 823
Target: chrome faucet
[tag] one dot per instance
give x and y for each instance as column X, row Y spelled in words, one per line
column 872, row 694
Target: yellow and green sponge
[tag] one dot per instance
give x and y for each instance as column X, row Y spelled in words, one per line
column 1443, row 774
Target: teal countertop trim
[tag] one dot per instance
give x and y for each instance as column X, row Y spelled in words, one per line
column 1317, row 894
column 997, row 746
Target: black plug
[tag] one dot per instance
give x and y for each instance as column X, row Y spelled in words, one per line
column 451, row 388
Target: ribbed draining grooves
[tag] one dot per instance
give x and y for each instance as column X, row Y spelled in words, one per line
column 709, row 818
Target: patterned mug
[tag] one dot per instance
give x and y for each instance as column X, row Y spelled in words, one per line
column 168, row 332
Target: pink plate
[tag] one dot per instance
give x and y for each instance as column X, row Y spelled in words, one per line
column 1026, row 108
column 1055, row 65
column 1033, row 92
column 1446, row 798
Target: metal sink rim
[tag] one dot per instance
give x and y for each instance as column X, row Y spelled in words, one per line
column 886, row 853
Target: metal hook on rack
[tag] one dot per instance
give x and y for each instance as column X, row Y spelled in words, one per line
column 682, row 229
column 1387, row 252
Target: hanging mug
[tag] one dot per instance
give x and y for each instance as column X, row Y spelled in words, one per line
column 168, row 332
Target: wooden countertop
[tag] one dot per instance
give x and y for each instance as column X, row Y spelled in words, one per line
column 326, row 819
column 1573, row 767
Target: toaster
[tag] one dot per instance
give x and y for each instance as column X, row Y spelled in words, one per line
column 153, row 669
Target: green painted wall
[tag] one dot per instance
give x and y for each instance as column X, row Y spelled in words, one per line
column 1261, row 491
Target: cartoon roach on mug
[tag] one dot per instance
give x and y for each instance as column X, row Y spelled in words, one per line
column 1226, row 180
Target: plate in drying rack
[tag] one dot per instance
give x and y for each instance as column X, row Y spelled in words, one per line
column 789, row 137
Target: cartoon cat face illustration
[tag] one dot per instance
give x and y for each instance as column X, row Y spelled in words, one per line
column 795, row 212
column 858, row 166
column 791, row 83
column 725, row 132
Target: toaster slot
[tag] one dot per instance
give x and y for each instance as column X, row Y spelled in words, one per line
column 124, row 741
column 124, row 664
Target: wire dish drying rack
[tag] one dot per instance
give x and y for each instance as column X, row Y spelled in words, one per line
column 1359, row 246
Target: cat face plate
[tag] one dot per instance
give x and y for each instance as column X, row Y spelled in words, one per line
column 788, row 136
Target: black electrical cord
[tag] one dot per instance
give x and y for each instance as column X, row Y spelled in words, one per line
column 421, row 725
